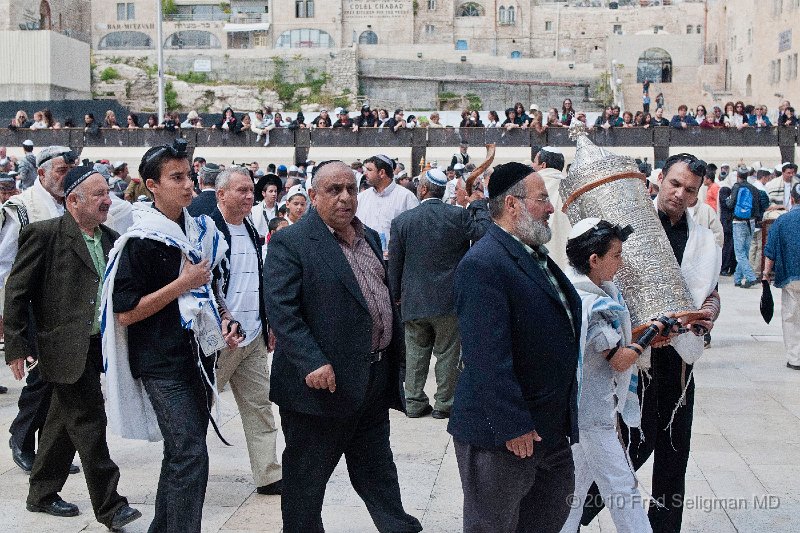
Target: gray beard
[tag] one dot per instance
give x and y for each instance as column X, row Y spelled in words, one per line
column 532, row 232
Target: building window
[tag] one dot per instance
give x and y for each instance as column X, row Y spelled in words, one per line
column 125, row 40
column 126, row 11
column 618, row 29
column 657, row 28
column 470, row 9
column 304, row 9
column 430, row 29
column 368, row 37
column 506, row 16
column 699, row 29
column 778, row 71
column 260, row 39
column 548, row 25
column 689, row 28
column 192, row 39
column 431, row 5
column 749, row 35
column 304, row 38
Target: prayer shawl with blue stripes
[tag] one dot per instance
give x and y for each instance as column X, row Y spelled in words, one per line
column 130, row 413
column 608, row 301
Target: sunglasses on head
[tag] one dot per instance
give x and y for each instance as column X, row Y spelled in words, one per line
column 696, row 166
column 178, row 149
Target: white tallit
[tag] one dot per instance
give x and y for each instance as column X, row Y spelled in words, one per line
column 608, row 301
column 702, row 261
column 130, row 414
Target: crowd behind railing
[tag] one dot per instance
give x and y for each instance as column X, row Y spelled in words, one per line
column 734, row 115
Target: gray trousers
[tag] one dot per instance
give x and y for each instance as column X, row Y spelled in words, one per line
column 437, row 336
column 506, row 494
column 247, row 371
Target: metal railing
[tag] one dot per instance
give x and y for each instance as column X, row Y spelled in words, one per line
column 659, row 139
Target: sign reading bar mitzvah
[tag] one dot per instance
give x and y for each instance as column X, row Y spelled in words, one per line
column 361, row 8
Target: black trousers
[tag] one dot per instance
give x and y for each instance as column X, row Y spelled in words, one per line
column 34, row 402
column 77, row 421
column 728, row 256
column 669, row 443
column 314, row 446
column 506, row 494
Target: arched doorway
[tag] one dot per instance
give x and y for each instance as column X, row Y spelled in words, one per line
column 655, row 64
column 45, row 18
column 368, row 37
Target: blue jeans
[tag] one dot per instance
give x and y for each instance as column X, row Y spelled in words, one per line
column 742, row 237
column 181, row 409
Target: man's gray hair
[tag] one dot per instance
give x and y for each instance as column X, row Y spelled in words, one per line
column 436, row 191
column 224, row 177
column 497, row 203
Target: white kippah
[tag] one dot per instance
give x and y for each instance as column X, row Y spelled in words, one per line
column 583, row 226
column 436, row 177
column 552, row 149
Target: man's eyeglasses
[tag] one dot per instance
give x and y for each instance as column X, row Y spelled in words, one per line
column 541, row 199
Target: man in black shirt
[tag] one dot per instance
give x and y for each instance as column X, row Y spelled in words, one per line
column 162, row 352
column 667, row 413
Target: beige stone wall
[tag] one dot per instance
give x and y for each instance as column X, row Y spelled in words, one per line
column 752, row 36
column 70, row 17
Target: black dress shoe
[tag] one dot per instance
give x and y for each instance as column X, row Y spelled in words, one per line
column 3, row 389
column 441, row 415
column 273, row 489
column 21, row 458
column 793, row 367
column 425, row 412
column 124, row 516
column 74, row 469
column 55, row 508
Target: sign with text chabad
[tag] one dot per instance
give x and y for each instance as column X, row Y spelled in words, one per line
column 360, row 8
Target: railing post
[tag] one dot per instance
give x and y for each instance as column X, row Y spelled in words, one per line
column 419, row 143
column 787, row 139
column 660, row 145
column 302, row 144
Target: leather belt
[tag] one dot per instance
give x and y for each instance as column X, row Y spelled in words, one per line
column 375, row 356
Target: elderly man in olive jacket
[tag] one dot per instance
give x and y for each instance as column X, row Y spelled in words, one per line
column 57, row 274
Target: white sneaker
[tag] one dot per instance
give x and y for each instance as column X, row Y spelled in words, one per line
column 266, row 142
column 258, row 137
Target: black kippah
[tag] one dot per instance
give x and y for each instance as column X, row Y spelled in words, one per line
column 505, row 176
column 76, row 176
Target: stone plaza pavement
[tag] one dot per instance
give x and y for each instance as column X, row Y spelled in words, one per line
column 743, row 471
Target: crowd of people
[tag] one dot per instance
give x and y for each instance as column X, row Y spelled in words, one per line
column 737, row 115
column 181, row 278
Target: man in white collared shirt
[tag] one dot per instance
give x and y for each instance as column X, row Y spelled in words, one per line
column 380, row 204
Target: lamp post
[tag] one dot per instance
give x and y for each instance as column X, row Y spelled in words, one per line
column 160, row 61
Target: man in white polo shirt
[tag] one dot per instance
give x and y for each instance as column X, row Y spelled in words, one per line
column 381, row 203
